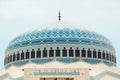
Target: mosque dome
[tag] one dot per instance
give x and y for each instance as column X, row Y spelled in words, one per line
column 63, row 37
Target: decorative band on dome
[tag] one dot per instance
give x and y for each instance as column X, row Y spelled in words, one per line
column 60, row 36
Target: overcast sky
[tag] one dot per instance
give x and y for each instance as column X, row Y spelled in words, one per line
column 17, row 16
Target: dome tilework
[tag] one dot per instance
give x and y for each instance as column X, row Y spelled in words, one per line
column 66, row 34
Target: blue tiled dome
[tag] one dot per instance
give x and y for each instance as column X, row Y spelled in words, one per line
column 59, row 33
column 61, row 42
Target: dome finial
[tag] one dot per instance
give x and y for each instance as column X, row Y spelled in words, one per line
column 59, row 16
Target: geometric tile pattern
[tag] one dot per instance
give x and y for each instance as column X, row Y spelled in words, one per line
column 66, row 35
column 41, row 61
column 91, row 61
column 67, row 60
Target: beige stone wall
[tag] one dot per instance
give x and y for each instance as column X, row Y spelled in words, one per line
column 83, row 74
column 107, row 77
column 96, row 69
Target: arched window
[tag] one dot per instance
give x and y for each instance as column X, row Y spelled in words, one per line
column 110, row 57
column 11, row 58
column 83, row 52
column 107, row 57
column 22, row 55
column 99, row 54
column 71, row 52
column 89, row 52
column 115, row 59
column 32, row 53
column 8, row 58
column 77, row 52
column 44, row 52
column 14, row 57
column 18, row 56
column 38, row 53
column 27, row 54
column 57, row 52
column 103, row 55
column 64, row 52
column 94, row 54
column 51, row 52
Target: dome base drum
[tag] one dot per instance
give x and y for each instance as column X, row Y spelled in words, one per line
column 60, row 51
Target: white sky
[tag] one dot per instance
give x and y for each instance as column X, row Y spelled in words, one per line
column 17, row 16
